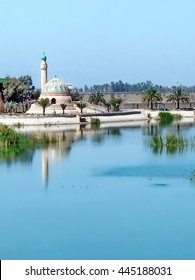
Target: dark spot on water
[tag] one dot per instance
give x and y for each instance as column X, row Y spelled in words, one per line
column 145, row 171
column 160, row 185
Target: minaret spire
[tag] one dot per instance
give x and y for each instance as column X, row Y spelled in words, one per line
column 43, row 70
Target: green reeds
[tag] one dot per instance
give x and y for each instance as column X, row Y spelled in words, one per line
column 171, row 143
column 167, row 118
column 175, row 141
column 9, row 137
column 12, row 143
column 177, row 117
column 95, row 123
column 157, row 141
column 44, row 140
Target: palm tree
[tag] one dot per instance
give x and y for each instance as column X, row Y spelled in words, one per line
column 178, row 95
column 44, row 102
column 11, row 106
column 107, row 104
column 63, row 106
column 151, row 96
column 81, row 105
column 96, row 97
column 116, row 103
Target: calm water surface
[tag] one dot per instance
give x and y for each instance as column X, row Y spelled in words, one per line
column 99, row 194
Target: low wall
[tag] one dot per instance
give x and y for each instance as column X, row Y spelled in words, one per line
column 111, row 114
column 119, row 118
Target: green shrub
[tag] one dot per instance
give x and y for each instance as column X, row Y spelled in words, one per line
column 95, row 122
column 165, row 118
column 8, row 136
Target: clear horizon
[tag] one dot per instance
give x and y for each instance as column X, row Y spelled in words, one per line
column 100, row 42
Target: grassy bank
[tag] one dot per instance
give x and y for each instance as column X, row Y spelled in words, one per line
column 12, row 143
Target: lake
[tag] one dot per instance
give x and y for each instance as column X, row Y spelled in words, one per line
column 100, row 194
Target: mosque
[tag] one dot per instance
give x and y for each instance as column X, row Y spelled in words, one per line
column 56, row 91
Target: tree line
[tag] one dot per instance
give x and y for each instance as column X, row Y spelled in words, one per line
column 177, row 95
column 132, row 88
column 21, row 91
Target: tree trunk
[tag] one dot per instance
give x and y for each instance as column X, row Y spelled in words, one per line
column 43, row 110
column 177, row 103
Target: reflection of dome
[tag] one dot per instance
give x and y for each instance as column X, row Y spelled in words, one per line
column 55, row 86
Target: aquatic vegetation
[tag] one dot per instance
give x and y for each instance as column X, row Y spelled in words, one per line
column 167, row 118
column 42, row 141
column 13, row 143
column 9, row 137
column 95, row 123
column 157, row 141
column 171, row 143
column 175, row 141
column 177, row 117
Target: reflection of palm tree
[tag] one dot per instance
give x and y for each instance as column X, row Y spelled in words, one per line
column 178, row 95
column 44, row 102
column 151, row 96
column 81, row 105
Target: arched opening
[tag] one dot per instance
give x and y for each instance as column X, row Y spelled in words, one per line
column 53, row 101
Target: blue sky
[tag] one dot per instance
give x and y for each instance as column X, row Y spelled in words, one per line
column 98, row 41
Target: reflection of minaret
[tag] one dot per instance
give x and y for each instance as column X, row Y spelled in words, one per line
column 45, row 168
column 56, row 152
column 43, row 71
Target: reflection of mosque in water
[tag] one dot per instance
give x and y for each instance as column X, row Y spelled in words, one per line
column 57, row 151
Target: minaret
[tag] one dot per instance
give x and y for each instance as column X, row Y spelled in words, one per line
column 43, row 70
